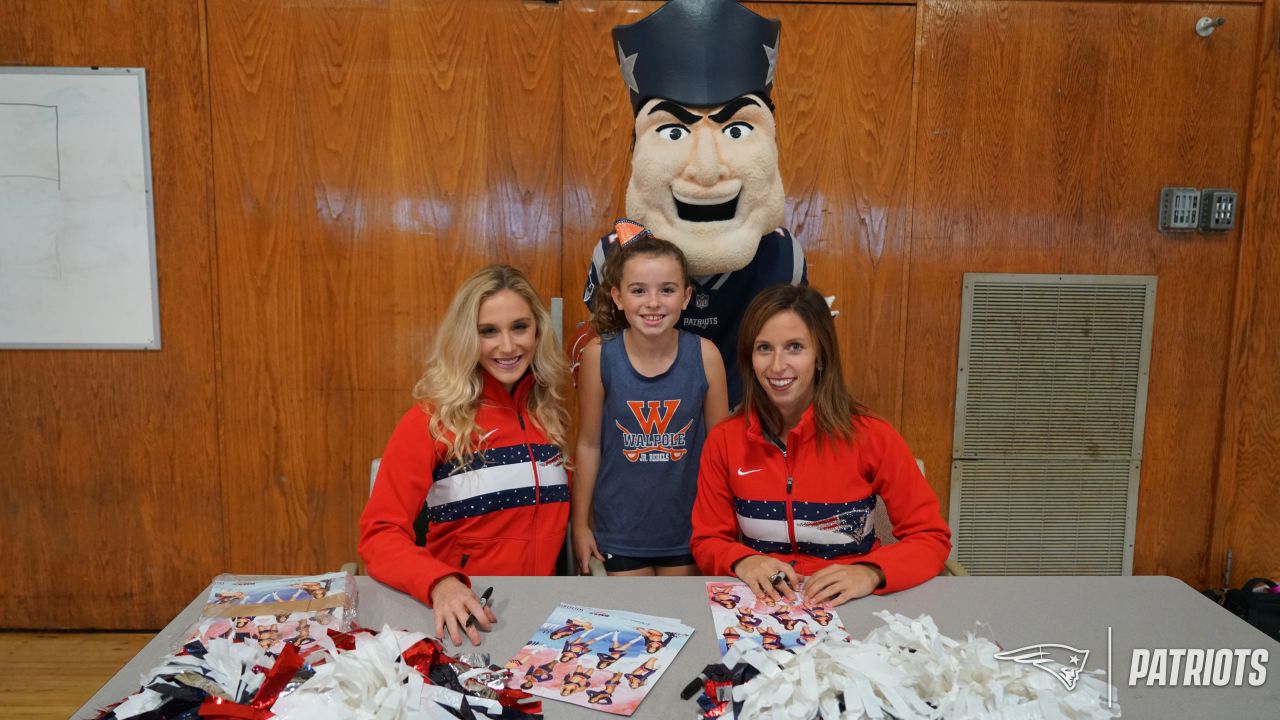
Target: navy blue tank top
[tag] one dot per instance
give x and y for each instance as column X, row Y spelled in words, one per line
column 651, row 434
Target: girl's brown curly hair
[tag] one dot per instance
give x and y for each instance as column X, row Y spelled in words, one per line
column 605, row 315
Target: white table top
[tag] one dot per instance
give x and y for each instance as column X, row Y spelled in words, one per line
column 1142, row 612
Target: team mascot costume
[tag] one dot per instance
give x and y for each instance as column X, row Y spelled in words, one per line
column 704, row 169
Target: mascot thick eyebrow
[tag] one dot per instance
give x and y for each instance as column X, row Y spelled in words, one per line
column 704, row 169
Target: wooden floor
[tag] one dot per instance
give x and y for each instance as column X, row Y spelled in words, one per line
column 47, row 676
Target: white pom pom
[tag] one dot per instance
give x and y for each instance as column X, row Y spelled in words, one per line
column 908, row 670
column 138, row 703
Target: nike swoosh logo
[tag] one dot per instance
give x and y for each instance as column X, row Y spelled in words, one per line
column 742, row 472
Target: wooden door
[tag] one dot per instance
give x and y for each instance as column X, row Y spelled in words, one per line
column 110, row 506
column 367, row 158
column 1248, row 496
column 1045, row 133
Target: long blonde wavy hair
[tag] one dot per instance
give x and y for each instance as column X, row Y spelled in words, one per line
column 453, row 382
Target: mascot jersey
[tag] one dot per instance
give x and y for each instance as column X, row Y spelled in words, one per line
column 719, row 301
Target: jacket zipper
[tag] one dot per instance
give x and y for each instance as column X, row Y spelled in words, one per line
column 537, row 486
column 791, row 519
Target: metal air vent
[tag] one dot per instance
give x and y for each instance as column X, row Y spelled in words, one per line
column 1050, row 406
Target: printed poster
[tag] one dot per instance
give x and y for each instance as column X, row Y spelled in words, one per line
column 272, row 612
column 604, row 660
column 738, row 613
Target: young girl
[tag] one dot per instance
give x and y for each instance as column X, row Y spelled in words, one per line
column 647, row 393
column 481, row 455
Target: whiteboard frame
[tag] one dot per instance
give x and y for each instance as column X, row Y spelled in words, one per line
column 141, row 75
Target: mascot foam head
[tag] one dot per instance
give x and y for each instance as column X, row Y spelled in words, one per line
column 704, row 173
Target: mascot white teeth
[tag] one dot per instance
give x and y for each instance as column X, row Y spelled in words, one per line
column 704, row 170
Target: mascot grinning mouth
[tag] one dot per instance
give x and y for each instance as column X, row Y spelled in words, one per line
column 690, row 212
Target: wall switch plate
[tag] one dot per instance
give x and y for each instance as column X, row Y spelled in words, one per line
column 1179, row 209
column 1217, row 209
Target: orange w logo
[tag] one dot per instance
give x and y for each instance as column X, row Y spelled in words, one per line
column 655, row 420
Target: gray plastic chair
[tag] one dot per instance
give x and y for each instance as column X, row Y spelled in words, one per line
column 884, row 531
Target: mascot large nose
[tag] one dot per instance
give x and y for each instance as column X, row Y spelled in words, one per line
column 705, row 167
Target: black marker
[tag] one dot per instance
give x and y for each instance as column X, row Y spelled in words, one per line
column 692, row 688
column 484, row 603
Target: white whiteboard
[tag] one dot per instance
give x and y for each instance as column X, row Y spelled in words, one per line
column 77, row 232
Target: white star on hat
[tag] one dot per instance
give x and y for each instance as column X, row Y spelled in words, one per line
column 772, row 54
column 627, row 64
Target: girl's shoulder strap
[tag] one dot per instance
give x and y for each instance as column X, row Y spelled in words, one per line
column 691, row 341
column 612, row 352
column 690, row 352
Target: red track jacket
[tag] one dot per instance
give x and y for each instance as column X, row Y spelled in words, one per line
column 507, row 514
column 813, row 503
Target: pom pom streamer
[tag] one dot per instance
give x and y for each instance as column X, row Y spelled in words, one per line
column 362, row 675
column 906, row 670
column 366, row 682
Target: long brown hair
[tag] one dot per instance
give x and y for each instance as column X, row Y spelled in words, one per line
column 834, row 406
column 605, row 315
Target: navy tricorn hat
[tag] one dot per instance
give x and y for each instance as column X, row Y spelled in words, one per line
column 699, row 53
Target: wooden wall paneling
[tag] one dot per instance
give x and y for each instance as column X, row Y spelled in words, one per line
column 1248, row 498
column 843, row 95
column 598, row 126
column 913, row 2
column 110, row 507
column 1045, row 133
column 834, row 2
column 368, row 158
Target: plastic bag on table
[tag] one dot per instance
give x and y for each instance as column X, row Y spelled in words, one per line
column 272, row 610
